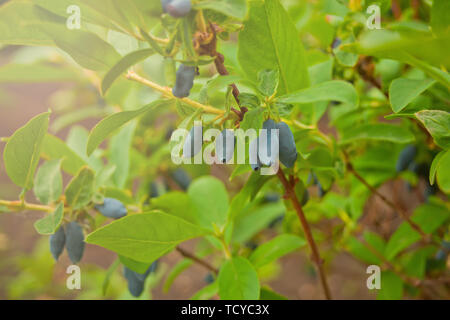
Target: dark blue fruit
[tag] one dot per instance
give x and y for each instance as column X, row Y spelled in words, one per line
column 74, row 241
column 253, row 155
column 288, row 149
column 184, row 81
column 164, row 4
column 429, row 190
column 135, row 285
column 305, row 198
column 405, row 158
column 271, row 197
column 57, row 243
column 112, row 208
column 193, row 143
column 265, row 154
column 151, row 269
column 225, row 146
column 153, row 190
column 209, row 278
column 181, row 178
column 179, row 8
column 336, row 43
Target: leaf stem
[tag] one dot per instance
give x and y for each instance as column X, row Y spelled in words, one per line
column 22, row 205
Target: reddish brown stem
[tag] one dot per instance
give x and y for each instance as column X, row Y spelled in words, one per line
column 307, row 230
column 196, row 259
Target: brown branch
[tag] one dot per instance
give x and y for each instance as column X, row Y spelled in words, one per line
column 390, row 203
column 315, row 255
column 196, row 259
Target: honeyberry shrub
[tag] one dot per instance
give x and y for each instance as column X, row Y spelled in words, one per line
column 363, row 106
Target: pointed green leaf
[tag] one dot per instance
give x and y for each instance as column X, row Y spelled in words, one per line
column 145, row 237
column 378, row 132
column 22, row 151
column 238, row 280
column 270, row 40
column 402, row 91
column 437, row 123
column 80, row 190
column 49, row 224
column 48, row 182
column 112, row 123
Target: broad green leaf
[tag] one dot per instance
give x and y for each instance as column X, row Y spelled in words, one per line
column 435, row 165
column 232, row 8
column 87, row 49
column 176, row 203
column 270, row 40
column 145, row 237
column 238, row 280
column 391, row 286
column 54, row 148
column 268, row 81
column 119, row 149
column 22, row 151
column 443, row 173
column 437, row 123
column 379, row 132
column 360, row 251
column 17, row 25
column 50, row 223
column 137, row 266
column 210, row 198
column 123, row 65
column 275, row 249
column 253, row 119
column 440, row 16
column 252, row 220
column 429, row 217
column 335, row 90
column 402, row 91
column 80, row 189
column 48, row 182
column 112, row 123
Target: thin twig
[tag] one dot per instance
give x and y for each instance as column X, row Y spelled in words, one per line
column 21, row 206
column 196, row 259
column 307, row 230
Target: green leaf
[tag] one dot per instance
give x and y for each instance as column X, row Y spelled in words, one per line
column 123, row 65
column 253, row 119
column 11, row 14
column 443, row 172
column 435, row 165
column 136, row 266
column 176, row 203
column 145, row 237
column 54, row 149
column 270, row 40
column 210, row 198
column 238, row 280
column 440, row 16
column 94, row 53
column 48, row 182
column 429, row 217
column 275, row 249
column 22, row 151
column 378, row 132
column 120, row 146
column 80, row 189
column 268, row 294
column 268, row 81
column 232, row 8
column 112, row 123
column 335, row 90
column 112, row 268
column 206, row 292
column 437, row 123
column 402, row 91
column 49, row 224
column 391, row 286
